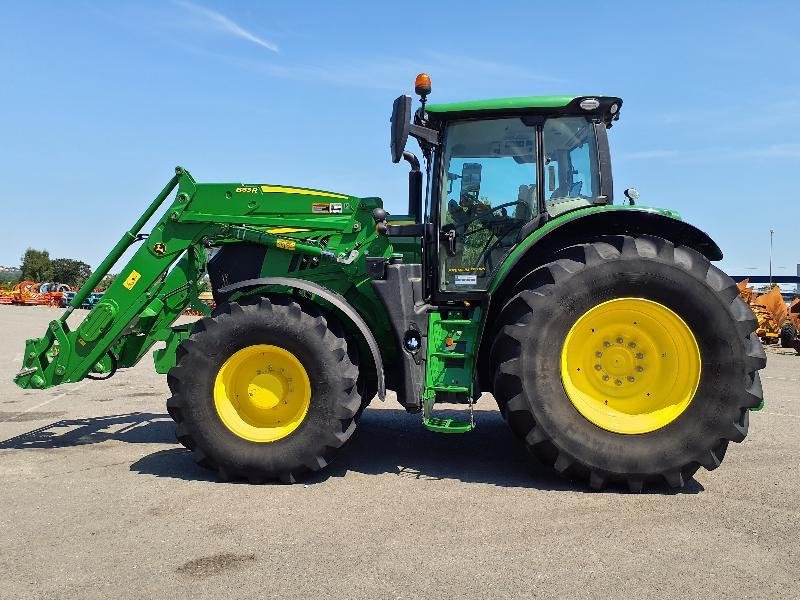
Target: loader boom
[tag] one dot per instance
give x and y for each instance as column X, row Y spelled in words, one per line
column 165, row 274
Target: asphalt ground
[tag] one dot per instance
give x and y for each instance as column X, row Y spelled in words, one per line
column 97, row 500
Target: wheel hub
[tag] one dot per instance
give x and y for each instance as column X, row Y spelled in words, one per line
column 262, row 393
column 630, row 365
column 266, row 391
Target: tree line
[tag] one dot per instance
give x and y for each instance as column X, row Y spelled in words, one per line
column 36, row 265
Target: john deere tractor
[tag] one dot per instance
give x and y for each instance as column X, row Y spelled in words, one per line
column 616, row 350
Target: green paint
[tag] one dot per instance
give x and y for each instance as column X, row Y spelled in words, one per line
column 452, row 344
column 318, row 236
column 164, row 275
column 529, row 241
column 500, row 104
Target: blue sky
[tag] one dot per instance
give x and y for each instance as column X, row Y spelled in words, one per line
column 101, row 100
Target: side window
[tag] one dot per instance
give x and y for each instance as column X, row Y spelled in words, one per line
column 488, row 194
column 570, row 150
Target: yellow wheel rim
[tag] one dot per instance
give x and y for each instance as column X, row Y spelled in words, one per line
column 262, row 393
column 630, row 365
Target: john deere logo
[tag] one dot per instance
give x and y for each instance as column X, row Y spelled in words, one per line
column 160, row 249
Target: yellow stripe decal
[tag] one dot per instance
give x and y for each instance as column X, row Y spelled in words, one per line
column 279, row 189
column 278, row 230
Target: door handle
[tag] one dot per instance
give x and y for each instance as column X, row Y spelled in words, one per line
column 449, row 236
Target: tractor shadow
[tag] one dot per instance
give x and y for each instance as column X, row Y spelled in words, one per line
column 131, row 428
column 386, row 441
column 392, row 441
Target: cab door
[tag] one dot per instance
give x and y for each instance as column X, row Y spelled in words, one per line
column 487, row 192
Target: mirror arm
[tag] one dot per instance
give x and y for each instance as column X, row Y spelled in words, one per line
column 424, row 134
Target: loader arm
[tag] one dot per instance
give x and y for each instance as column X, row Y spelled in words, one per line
column 160, row 280
column 139, row 304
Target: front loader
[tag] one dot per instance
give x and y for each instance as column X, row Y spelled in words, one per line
column 616, row 350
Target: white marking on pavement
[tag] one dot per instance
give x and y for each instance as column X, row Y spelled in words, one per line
column 48, row 401
column 782, row 415
column 780, row 378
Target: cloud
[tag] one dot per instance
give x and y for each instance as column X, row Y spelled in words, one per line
column 225, row 24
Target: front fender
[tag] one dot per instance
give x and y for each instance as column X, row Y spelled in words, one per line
column 336, row 300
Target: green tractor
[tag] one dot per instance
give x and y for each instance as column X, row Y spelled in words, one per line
column 616, row 351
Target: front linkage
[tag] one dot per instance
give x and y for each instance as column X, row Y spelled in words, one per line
column 164, row 276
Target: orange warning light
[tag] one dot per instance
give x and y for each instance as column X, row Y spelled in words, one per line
column 422, row 84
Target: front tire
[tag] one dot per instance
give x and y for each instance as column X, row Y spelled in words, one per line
column 281, row 419
column 700, row 397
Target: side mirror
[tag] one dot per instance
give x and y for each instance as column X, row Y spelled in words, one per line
column 632, row 194
column 401, row 124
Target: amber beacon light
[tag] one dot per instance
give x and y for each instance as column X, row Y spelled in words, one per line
column 422, row 84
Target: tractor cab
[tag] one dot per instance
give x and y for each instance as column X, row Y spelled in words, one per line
column 499, row 170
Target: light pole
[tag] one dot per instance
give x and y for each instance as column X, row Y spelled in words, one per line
column 771, row 232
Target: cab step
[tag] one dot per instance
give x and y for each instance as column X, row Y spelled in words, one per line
column 447, row 425
column 461, row 355
column 453, row 389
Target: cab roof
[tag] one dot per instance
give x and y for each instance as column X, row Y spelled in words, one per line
column 606, row 107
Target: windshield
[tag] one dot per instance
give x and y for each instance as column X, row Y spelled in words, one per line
column 489, row 189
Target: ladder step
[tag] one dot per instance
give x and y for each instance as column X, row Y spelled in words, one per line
column 455, row 322
column 451, row 388
column 449, row 354
column 447, row 425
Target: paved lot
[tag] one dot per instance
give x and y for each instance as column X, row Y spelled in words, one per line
column 97, row 500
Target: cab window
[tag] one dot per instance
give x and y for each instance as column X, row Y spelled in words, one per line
column 488, row 194
column 570, row 158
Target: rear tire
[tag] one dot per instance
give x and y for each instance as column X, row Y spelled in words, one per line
column 324, row 427
column 535, row 323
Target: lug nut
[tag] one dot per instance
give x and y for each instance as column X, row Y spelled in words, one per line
column 639, row 355
column 639, row 369
column 631, row 379
column 606, row 378
column 617, row 382
column 607, row 344
column 631, row 344
column 620, row 340
column 598, row 368
column 598, row 354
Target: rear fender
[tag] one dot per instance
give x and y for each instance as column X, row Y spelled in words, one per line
column 591, row 222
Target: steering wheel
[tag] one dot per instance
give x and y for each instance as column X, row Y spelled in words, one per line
column 452, row 229
column 485, row 214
